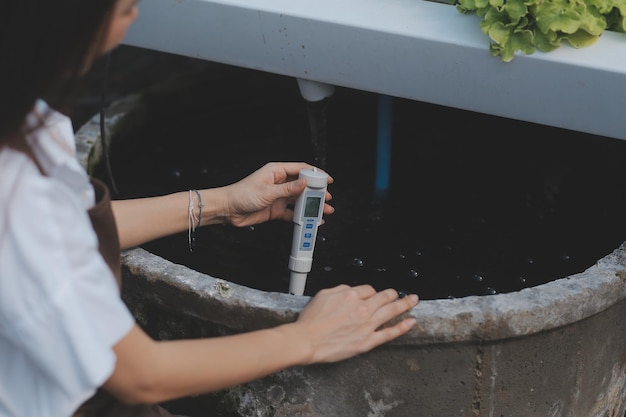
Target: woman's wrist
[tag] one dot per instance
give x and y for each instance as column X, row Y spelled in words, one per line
column 214, row 206
column 297, row 341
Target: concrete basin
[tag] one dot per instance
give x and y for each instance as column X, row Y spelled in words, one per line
column 557, row 349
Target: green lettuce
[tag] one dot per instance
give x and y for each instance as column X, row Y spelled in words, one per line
column 530, row 25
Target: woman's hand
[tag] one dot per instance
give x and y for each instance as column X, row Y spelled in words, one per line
column 267, row 194
column 344, row 321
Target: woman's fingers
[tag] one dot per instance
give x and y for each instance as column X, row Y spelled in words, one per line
column 387, row 305
column 338, row 288
column 374, row 307
column 387, row 334
column 365, row 291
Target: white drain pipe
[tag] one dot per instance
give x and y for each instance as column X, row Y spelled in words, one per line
column 313, row 91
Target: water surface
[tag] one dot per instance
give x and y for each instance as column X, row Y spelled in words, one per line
column 477, row 204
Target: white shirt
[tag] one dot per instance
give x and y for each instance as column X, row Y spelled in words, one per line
column 60, row 309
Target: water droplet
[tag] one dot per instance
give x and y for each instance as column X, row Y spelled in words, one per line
column 381, row 269
column 413, row 273
column 250, row 228
column 204, row 170
column 418, row 253
column 402, row 256
column 491, row 291
column 328, row 268
column 565, row 257
column 451, row 297
column 530, row 261
column 522, row 280
column 321, row 238
column 358, row 262
column 375, row 217
column 176, row 174
column 478, row 278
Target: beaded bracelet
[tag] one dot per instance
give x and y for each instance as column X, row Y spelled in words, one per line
column 193, row 222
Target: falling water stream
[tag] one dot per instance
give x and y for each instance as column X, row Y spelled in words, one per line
column 317, row 112
column 475, row 205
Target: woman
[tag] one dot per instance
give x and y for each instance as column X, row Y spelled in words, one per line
column 65, row 334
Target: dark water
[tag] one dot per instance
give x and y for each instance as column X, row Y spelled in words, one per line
column 477, row 205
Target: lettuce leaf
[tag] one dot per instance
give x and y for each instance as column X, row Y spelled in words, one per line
column 529, row 25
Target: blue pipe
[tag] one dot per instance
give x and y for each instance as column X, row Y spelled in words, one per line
column 383, row 144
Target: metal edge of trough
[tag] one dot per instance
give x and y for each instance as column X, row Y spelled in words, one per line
column 474, row 318
column 401, row 48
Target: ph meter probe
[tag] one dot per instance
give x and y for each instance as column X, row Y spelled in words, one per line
column 307, row 217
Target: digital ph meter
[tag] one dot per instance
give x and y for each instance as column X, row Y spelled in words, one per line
column 307, row 217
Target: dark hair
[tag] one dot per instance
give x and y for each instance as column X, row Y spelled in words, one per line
column 45, row 47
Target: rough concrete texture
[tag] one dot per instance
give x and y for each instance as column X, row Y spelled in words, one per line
column 549, row 351
column 572, row 365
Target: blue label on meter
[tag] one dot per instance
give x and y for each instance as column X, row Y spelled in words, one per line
column 307, row 239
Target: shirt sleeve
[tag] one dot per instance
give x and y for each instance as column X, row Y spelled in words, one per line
column 59, row 303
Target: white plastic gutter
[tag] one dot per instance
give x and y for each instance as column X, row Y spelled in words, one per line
column 413, row 49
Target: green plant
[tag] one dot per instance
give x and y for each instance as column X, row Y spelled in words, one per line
column 529, row 25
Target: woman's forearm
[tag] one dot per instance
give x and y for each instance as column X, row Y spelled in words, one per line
column 144, row 219
column 161, row 371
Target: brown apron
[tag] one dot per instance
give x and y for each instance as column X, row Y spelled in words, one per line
column 103, row 404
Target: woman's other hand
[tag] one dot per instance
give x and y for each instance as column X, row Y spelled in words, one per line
column 344, row 321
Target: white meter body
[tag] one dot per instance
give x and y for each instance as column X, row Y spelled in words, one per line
column 308, row 212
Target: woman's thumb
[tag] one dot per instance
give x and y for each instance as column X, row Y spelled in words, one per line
column 295, row 188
